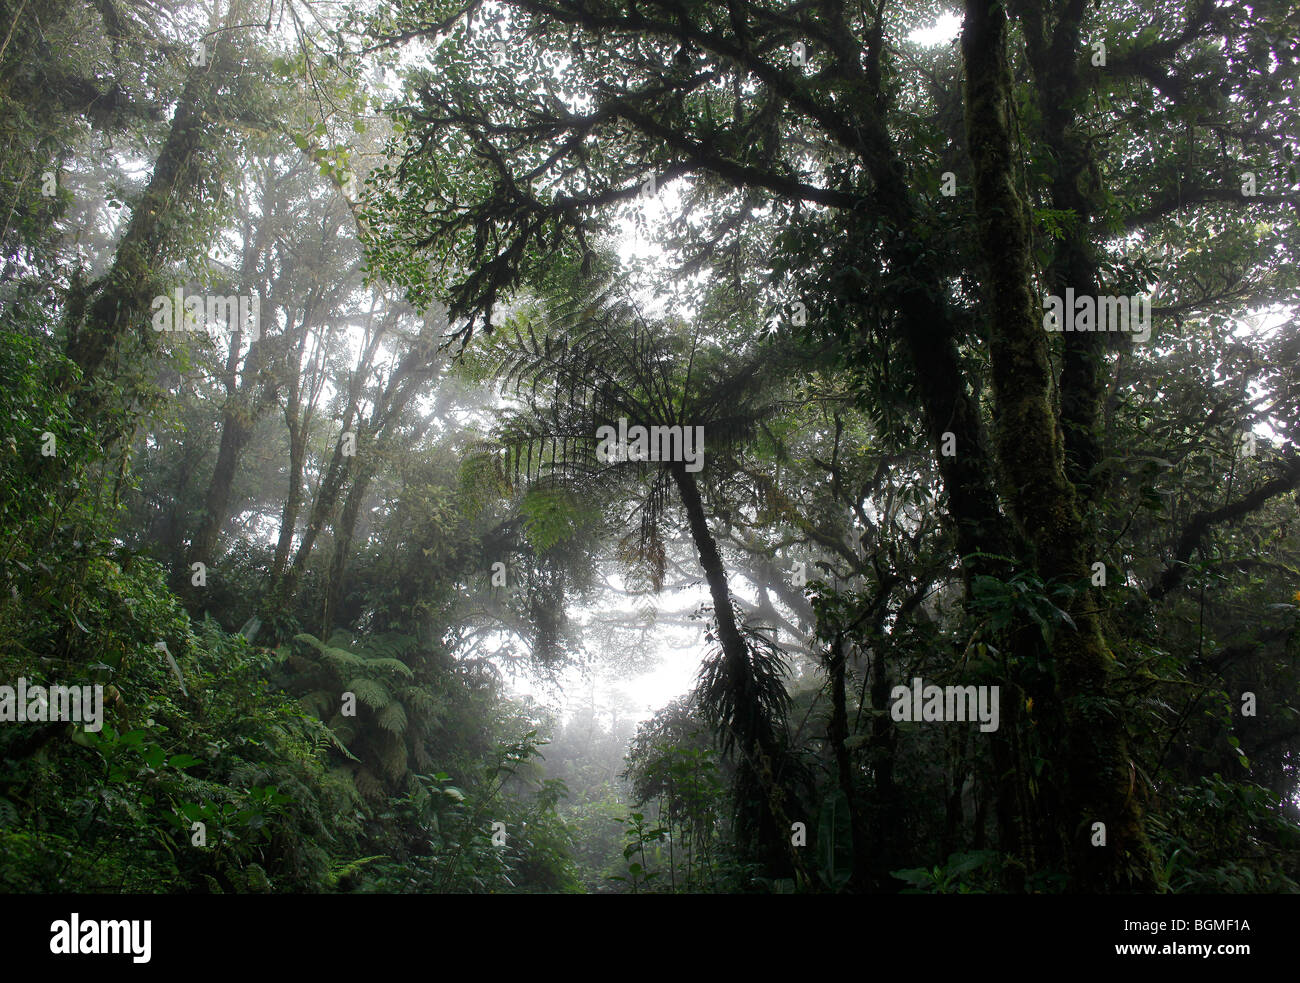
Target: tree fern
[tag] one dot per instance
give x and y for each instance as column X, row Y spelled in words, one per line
column 371, row 692
column 393, row 718
column 336, row 655
column 590, row 361
column 389, row 665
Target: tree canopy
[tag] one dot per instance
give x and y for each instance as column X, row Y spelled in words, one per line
column 388, row 390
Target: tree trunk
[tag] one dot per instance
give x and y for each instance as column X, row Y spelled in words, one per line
column 292, row 505
column 343, row 532
column 884, row 825
column 1060, row 90
column 297, row 418
column 245, row 403
column 216, row 503
column 837, row 735
column 734, row 649
column 1097, row 786
column 327, row 497
column 754, row 738
column 122, row 298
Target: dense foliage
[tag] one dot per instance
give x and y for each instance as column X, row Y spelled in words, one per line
column 324, row 549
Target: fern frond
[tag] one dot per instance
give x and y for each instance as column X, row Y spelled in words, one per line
column 371, row 692
column 393, row 757
column 392, row 718
column 319, row 702
column 334, row 739
column 336, row 655
column 394, row 665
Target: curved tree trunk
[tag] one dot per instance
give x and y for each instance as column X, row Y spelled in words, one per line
column 733, row 644
column 753, row 733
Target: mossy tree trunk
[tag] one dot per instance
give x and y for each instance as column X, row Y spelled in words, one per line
column 107, row 310
column 1096, row 778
